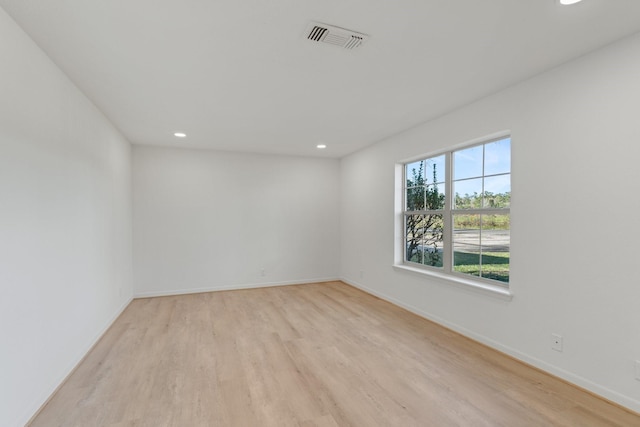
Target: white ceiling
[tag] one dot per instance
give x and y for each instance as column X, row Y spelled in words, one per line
column 239, row 74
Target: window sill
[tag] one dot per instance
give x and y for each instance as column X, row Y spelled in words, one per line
column 483, row 288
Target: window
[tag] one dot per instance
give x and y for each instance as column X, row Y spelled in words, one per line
column 456, row 212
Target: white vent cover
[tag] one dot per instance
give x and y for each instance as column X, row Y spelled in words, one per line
column 337, row 36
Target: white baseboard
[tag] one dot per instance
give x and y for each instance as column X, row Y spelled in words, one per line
column 179, row 291
column 608, row 394
column 44, row 398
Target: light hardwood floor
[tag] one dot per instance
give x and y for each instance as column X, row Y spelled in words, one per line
column 309, row 355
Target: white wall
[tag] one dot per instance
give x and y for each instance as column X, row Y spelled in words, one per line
column 575, row 237
column 65, row 225
column 206, row 220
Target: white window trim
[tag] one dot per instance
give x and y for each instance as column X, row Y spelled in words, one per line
column 467, row 282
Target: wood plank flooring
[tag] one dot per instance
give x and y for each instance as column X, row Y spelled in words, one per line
column 320, row 355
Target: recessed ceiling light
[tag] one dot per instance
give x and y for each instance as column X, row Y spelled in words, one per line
column 568, row 2
column 321, row 146
column 180, row 134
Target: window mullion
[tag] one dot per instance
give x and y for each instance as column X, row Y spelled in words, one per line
column 486, row 211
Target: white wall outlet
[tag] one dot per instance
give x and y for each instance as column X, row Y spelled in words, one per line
column 263, row 272
column 556, row 342
column 638, row 370
column 361, row 274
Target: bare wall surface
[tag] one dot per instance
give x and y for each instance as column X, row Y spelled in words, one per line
column 65, row 225
column 208, row 220
column 575, row 183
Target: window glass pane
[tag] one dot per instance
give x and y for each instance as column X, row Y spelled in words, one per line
column 415, row 198
column 424, row 239
column 497, row 191
column 415, row 174
column 497, row 157
column 467, row 163
column 435, row 197
column 434, row 169
column 495, row 247
column 466, row 244
column 413, row 237
column 433, row 240
column 468, row 194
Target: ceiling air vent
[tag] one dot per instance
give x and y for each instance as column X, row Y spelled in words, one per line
column 337, row 36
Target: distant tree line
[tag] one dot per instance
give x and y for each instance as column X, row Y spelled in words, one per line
column 475, row 201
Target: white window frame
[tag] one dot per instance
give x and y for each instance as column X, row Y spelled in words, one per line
column 446, row 272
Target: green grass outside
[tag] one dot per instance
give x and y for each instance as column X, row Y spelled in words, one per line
column 495, row 265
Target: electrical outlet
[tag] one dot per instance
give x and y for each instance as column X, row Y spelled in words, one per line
column 638, row 370
column 556, row 342
column 361, row 274
column 263, row 272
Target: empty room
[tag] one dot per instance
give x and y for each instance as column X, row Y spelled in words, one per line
column 337, row 213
